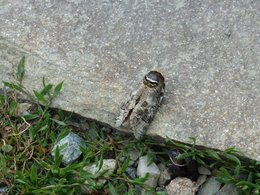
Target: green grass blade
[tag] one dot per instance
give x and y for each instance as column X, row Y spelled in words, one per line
column 112, row 189
column 46, row 89
column 20, row 70
column 233, row 158
column 213, row 154
column 57, row 89
column 40, row 97
column 16, row 87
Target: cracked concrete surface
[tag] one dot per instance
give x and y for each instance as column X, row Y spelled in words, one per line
column 207, row 51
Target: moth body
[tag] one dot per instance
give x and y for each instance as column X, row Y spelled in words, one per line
column 141, row 106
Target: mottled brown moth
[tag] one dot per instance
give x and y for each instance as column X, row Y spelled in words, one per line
column 139, row 109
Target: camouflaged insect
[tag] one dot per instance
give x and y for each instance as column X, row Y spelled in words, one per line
column 140, row 108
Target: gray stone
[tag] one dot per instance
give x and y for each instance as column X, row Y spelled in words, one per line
column 204, row 171
column 108, row 167
column 131, row 171
column 201, row 180
column 3, row 190
column 181, row 185
column 164, row 177
column 228, row 189
column 122, row 159
column 208, row 52
column 139, row 190
column 210, row 187
column 161, row 167
column 134, row 155
column 152, row 169
column 23, row 109
column 69, row 147
column 161, row 190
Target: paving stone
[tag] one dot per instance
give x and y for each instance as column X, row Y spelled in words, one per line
column 208, row 52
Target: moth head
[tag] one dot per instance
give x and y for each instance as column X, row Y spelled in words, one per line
column 153, row 79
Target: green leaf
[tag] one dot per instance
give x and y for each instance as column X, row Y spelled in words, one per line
column 33, row 173
column 40, row 97
column 237, row 170
column 61, row 123
column 57, row 158
column 6, row 148
column 43, row 81
column 180, row 145
column 40, row 110
column 233, row 158
column 200, row 161
column 93, row 131
column 46, row 89
column 225, row 172
column 30, row 116
column 112, row 189
column 161, row 193
column 124, row 166
column 43, row 128
column 213, row 154
column 140, row 181
column 57, row 89
column 2, row 100
column 63, row 134
column 212, row 165
column 21, row 181
column 193, row 139
column 16, row 87
column 52, row 136
column 186, row 155
column 250, row 177
column 71, row 191
column 230, row 150
column 150, row 157
column 2, row 164
column 100, row 161
column 245, row 183
column 32, row 132
column 20, row 70
column 13, row 108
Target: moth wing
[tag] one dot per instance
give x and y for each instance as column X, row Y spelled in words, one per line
column 129, row 105
column 141, row 118
column 161, row 95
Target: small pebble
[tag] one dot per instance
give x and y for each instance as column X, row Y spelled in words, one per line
column 108, row 167
column 164, row 178
column 204, row 171
column 181, row 186
column 23, row 109
column 152, row 169
column 228, row 189
column 131, row 171
column 210, row 187
column 69, row 148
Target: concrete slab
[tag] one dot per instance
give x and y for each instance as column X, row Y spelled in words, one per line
column 208, row 52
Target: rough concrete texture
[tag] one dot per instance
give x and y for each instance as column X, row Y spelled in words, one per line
column 208, row 52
